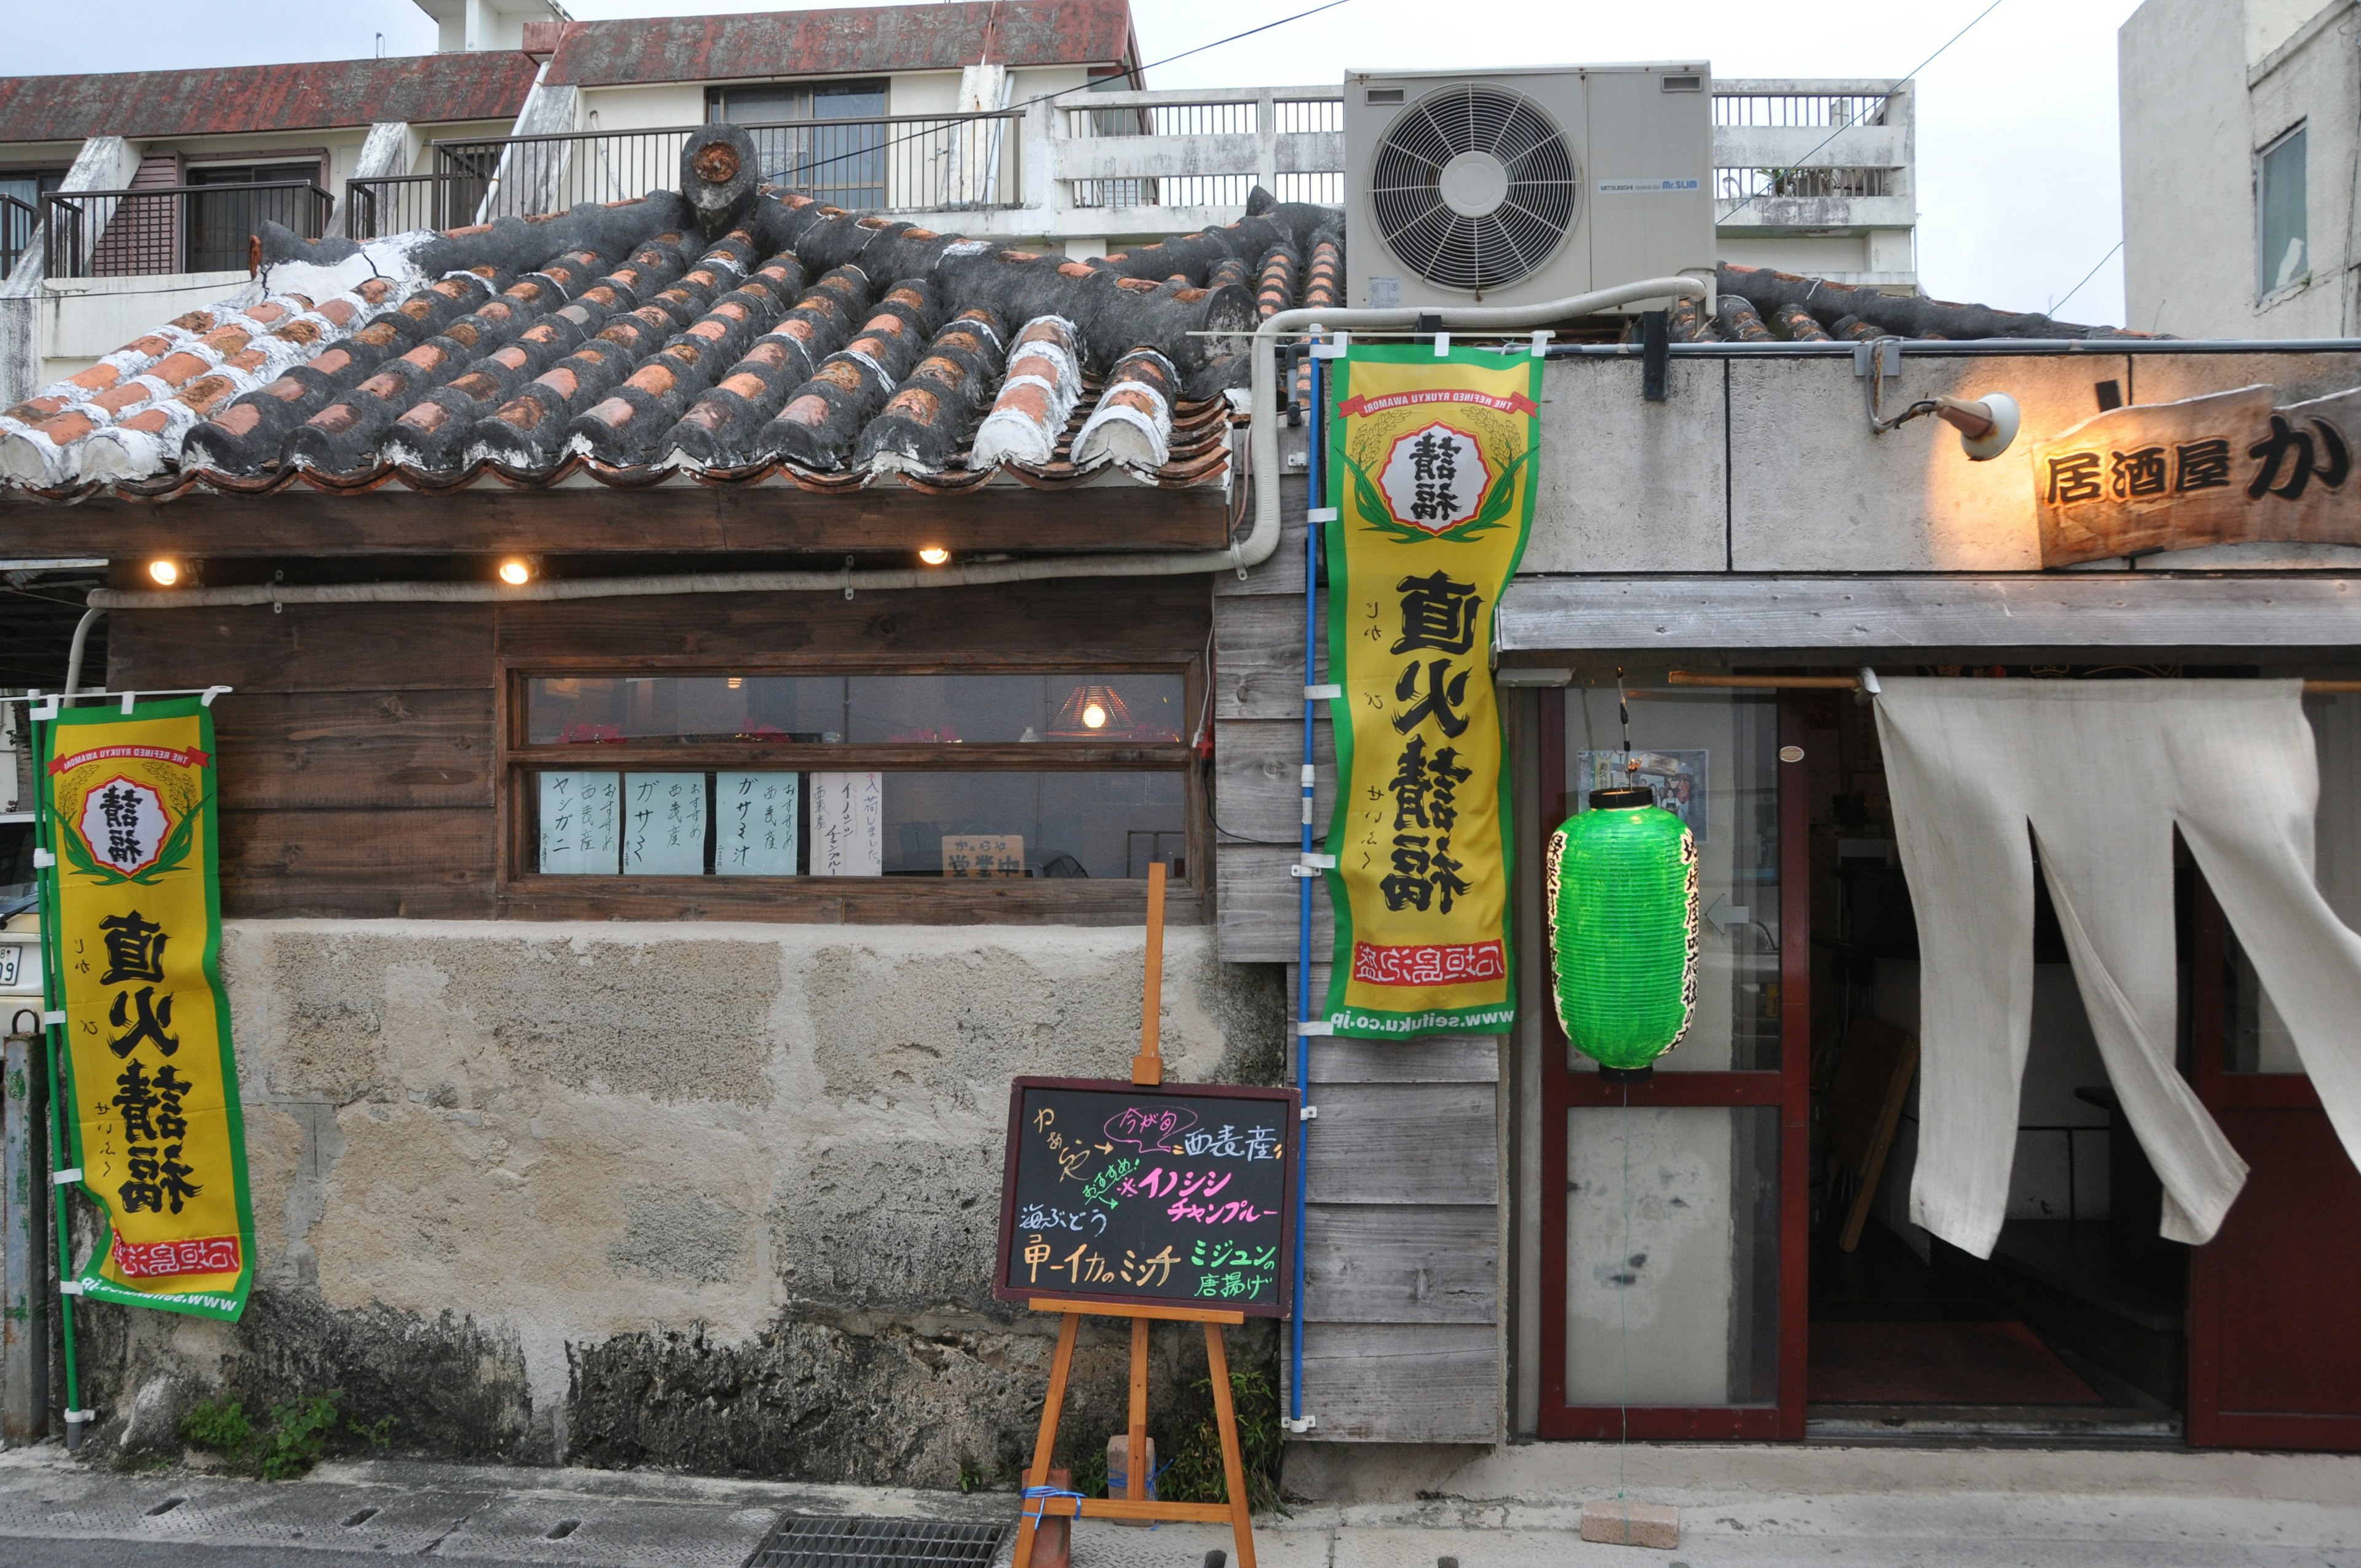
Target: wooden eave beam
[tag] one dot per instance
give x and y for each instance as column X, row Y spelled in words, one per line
column 578, row 520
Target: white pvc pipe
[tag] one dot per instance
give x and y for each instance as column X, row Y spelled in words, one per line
column 1252, row 550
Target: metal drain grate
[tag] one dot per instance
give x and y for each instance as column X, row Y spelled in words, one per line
column 801, row 1542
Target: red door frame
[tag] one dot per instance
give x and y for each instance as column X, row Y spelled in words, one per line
column 2266, row 1116
column 1788, row 1089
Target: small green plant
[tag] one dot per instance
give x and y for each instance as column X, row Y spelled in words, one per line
column 299, row 1431
column 970, row 1477
column 218, row 1423
column 1090, row 1474
column 289, row 1446
column 1194, row 1474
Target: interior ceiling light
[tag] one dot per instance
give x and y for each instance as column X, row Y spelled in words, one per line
column 516, row 571
column 933, row 554
column 1091, row 710
column 163, row 573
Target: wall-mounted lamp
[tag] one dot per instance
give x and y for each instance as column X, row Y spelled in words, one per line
column 1986, row 424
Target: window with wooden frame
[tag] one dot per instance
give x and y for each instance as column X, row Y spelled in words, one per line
column 1045, row 778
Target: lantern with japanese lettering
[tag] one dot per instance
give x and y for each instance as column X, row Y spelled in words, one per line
column 1622, row 899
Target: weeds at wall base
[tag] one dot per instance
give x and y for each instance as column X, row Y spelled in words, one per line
column 287, row 1446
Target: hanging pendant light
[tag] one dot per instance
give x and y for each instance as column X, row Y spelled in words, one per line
column 1093, row 711
column 1622, row 897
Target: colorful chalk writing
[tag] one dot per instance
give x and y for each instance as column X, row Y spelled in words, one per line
column 1095, row 1191
column 1116, row 1192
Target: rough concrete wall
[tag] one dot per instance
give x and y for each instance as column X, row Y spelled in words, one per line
column 2189, row 201
column 715, row 1196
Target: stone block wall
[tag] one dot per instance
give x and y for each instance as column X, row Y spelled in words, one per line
column 722, row 1197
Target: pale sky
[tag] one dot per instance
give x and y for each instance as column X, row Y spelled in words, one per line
column 2018, row 190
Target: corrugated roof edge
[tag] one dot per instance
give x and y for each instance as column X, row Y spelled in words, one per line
column 843, row 41
column 240, row 100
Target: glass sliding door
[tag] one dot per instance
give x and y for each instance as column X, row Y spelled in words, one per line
column 1674, row 1209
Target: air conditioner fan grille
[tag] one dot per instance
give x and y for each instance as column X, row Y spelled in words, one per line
column 1452, row 248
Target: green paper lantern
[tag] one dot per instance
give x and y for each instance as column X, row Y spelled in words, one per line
column 1622, row 896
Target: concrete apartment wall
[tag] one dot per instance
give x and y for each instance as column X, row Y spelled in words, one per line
column 714, row 1196
column 2203, row 87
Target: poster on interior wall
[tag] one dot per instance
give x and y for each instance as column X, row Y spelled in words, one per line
column 133, row 894
column 2230, row 468
column 1677, row 777
column 1431, row 463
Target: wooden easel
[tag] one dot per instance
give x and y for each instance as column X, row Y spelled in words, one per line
column 1147, row 1069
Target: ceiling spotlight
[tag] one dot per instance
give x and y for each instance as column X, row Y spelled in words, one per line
column 933, row 554
column 516, row 571
column 163, row 573
column 1094, row 716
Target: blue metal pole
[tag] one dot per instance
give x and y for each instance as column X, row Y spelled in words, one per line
column 1315, row 424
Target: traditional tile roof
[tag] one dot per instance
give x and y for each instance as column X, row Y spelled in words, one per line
column 318, row 95
column 845, row 42
column 684, row 340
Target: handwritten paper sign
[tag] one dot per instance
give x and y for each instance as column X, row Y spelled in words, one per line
column 1115, row 1192
column 984, row 854
column 848, row 824
column 580, row 824
column 663, row 824
column 757, row 823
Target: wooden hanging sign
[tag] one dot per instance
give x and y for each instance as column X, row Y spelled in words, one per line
column 2228, row 468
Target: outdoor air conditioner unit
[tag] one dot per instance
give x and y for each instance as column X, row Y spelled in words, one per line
column 1519, row 186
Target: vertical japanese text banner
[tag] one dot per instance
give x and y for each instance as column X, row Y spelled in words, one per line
column 1433, row 462
column 133, row 908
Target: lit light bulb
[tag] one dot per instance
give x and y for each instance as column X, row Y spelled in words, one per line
column 516, row 571
column 1094, row 716
column 163, row 574
column 934, row 554
column 737, row 682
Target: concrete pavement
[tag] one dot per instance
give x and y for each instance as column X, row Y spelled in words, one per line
column 2273, row 1512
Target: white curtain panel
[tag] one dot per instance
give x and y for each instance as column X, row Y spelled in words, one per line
column 2099, row 773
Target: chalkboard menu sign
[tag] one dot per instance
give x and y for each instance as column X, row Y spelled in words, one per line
column 1119, row 1193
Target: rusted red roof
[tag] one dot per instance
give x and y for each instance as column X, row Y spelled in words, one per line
column 317, row 95
column 844, row 41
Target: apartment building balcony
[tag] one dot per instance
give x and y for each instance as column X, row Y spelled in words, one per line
column 1812, row 176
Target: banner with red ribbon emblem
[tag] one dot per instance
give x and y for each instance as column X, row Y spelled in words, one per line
column 1433, row 462
column 131, row 899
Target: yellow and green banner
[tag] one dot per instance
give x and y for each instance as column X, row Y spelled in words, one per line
column 1433, row 463
column 133, row 908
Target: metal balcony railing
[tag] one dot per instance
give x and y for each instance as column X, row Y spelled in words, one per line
column 173, row 228
column 1810, row 180
column 1843, row 149
column 18, row 219
column 1828, row 110
column 887, row 163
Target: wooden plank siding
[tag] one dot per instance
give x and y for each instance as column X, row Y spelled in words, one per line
column 361, row 773
column 1402, row 1238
